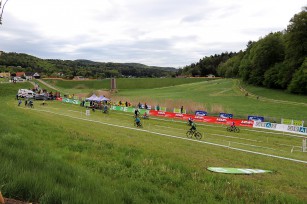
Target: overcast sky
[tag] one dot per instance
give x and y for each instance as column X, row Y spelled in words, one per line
column 172, row 33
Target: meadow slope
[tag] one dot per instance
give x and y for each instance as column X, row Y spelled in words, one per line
column 56, row 154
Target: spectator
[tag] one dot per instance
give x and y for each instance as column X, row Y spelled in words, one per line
column 181, row 109
column 158, row 107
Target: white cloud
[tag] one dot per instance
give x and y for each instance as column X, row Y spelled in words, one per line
column 153, row 32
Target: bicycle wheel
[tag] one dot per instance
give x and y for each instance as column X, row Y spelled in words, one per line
column 189, row 134
column 229, row 129
column 236, row 129
column 198, row 135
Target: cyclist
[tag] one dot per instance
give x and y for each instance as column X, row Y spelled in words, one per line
column 193, row 126
column 232, row 125
column 190, row 121
column 138, row 121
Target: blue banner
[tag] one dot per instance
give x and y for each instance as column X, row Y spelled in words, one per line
column 201, row 113
column 226, row 115
column 255, row 118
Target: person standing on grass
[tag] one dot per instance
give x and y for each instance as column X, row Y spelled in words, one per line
column 181, row 109
column 19, row 102
column 136, row 113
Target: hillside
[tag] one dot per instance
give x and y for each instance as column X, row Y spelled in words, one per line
column 16, row 62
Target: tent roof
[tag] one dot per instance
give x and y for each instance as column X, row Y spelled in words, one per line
column 96, row 98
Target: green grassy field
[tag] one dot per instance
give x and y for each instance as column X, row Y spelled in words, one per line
column 122, row 83
column 56, row 154
column 220, row 96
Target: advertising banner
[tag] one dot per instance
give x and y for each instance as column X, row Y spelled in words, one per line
column 281, row 127
column 201, row 113
column 292, row 122
column 296, row 129
column 298, row 123
column 73, row 101
column 178, row 110
column 286, row 121
column 207, row 119
column 255, row 118
column 265, row 125
column 226, row 115
column 128, row 109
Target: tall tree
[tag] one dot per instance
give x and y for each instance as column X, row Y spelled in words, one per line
column 296, row 46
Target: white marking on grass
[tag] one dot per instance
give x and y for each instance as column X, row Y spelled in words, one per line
column 182, row 138
column 233, row 137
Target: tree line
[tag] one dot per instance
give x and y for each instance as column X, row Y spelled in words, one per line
column 21, row 62
column 278, row 60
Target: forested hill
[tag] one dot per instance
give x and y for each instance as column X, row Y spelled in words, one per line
column 278, row 60
column 17, row 62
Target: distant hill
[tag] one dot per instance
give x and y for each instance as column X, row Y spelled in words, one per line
column 16, row 62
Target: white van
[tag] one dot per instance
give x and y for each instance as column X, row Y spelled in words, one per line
column 25, row 93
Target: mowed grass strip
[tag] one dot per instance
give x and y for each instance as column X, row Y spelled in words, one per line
column 123, row 83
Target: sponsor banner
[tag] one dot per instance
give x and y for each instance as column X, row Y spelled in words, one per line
column 255, row 118
column 226, row 115
column 178, row 110
column 286, row 121
column 292, row 122
column 221, row 120
column 265, row 125
column 87, row 104
column 160, row 108
column 73, row 101
column 201, row 113
column 246, row 123
column 207, row 119
column 127, row 109
column 298, row 123
column 296, row 129
column 281, row 127
column 237, row 170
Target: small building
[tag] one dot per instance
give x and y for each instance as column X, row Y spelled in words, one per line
column 36, row 75
column 78, row 78
column 29, row 75
column 5, row 75
column 21, row 74
column 211, row 76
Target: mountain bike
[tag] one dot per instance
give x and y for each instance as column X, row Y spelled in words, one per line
column 232, row 129
column 194, row 133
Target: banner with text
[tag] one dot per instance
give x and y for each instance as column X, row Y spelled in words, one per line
column 281, row 127
column 292, row 122
column 226, row 115
column 255, row 118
